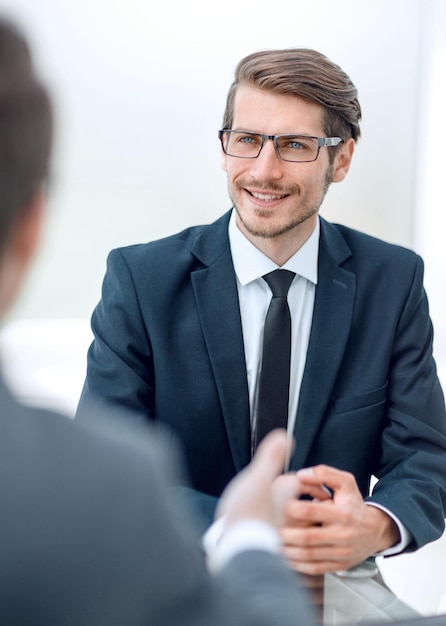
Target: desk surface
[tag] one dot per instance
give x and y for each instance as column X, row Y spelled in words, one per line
column 358, row 596
column 361, row 600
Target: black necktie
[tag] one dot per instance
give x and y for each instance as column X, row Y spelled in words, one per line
column 274, row 383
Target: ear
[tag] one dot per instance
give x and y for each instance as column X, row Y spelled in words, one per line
column 223, row 161
column 19, row 250
column 343, row 160
column 25, row 236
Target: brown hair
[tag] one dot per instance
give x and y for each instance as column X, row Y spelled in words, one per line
column 25, row 129
column 305, row 73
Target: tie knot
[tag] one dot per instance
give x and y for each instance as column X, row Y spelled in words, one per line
column 279, row 282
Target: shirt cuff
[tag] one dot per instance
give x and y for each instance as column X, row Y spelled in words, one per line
column 222, row 544
column 405, row 535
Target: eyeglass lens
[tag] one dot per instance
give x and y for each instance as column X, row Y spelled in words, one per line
column 290, row 147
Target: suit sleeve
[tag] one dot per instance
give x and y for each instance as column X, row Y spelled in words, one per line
column 255, row 588
column 273, row 594
column 120, row 367
column 162, row 571
column 412, row 476
column 119, row 361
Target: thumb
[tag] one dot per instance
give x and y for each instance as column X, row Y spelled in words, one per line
column 270, row 457
column 284, row 490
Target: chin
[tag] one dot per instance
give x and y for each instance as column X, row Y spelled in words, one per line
column 266, row 228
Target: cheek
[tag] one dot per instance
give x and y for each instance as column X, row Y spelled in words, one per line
column 233, row 170
column 318, row 181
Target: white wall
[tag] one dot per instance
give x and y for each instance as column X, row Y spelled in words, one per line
column 430, row 205
column 140, row 90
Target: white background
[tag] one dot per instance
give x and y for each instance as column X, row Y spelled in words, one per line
column 140, row 88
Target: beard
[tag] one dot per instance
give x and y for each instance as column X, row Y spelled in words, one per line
column 306, row 208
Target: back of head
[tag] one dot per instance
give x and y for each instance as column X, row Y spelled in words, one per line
column 307, row 74
column 25, row 129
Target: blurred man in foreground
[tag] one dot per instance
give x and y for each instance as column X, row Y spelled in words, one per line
column 88, row 533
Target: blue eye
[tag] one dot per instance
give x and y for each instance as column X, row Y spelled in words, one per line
column 248, row 139
column 295, row 145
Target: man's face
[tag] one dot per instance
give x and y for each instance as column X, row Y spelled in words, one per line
column 274, row 197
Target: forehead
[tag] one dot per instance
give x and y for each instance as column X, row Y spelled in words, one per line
column 267, row 112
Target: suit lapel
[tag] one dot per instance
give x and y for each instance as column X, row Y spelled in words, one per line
column 333, row 309
column 215, row 289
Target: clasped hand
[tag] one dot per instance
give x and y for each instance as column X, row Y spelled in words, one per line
column 336, row 529
column 333, row 531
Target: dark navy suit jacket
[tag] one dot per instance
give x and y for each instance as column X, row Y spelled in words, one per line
column 168, row 344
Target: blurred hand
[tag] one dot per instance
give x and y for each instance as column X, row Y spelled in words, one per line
column 259, row 492
column 335, row 533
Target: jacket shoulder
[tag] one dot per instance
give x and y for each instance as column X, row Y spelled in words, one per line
column 186, row 240
column 367, row 248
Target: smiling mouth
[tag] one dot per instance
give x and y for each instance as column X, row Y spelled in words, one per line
column 266, row 197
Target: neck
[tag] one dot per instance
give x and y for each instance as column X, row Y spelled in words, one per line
column 280, row 248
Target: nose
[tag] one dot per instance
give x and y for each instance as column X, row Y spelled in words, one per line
column 267, row 165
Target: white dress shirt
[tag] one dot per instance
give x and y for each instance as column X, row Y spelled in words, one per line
column 250, row 264
column 221, row 545
column 254, row 296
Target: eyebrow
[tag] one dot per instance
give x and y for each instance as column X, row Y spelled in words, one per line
column 294, row 132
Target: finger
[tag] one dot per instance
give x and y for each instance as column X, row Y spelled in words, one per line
column 314, row 492
column 286, row 487
column 303, row 514
column 317, row 492
column 253, row 484
column 318, row 560
column 338, row 556
column 305, row 538
column 331, row 477
column 270, row 456
column 284, row 491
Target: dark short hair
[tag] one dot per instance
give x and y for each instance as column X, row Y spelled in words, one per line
column 305, row 73
column 26, row 128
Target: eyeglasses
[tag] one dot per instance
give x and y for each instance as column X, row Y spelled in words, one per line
column 244, row 144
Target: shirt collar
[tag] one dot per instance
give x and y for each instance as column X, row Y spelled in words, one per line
column 250, row 263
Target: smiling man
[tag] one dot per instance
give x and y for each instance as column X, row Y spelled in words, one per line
column 277, row 201
column 182, row 333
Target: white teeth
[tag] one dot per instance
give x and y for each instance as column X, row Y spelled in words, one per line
column 265, row 197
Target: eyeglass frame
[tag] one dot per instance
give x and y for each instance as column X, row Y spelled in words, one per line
column 322, row 142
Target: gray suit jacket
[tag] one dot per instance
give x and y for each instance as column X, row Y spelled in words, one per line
column 89, row 536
